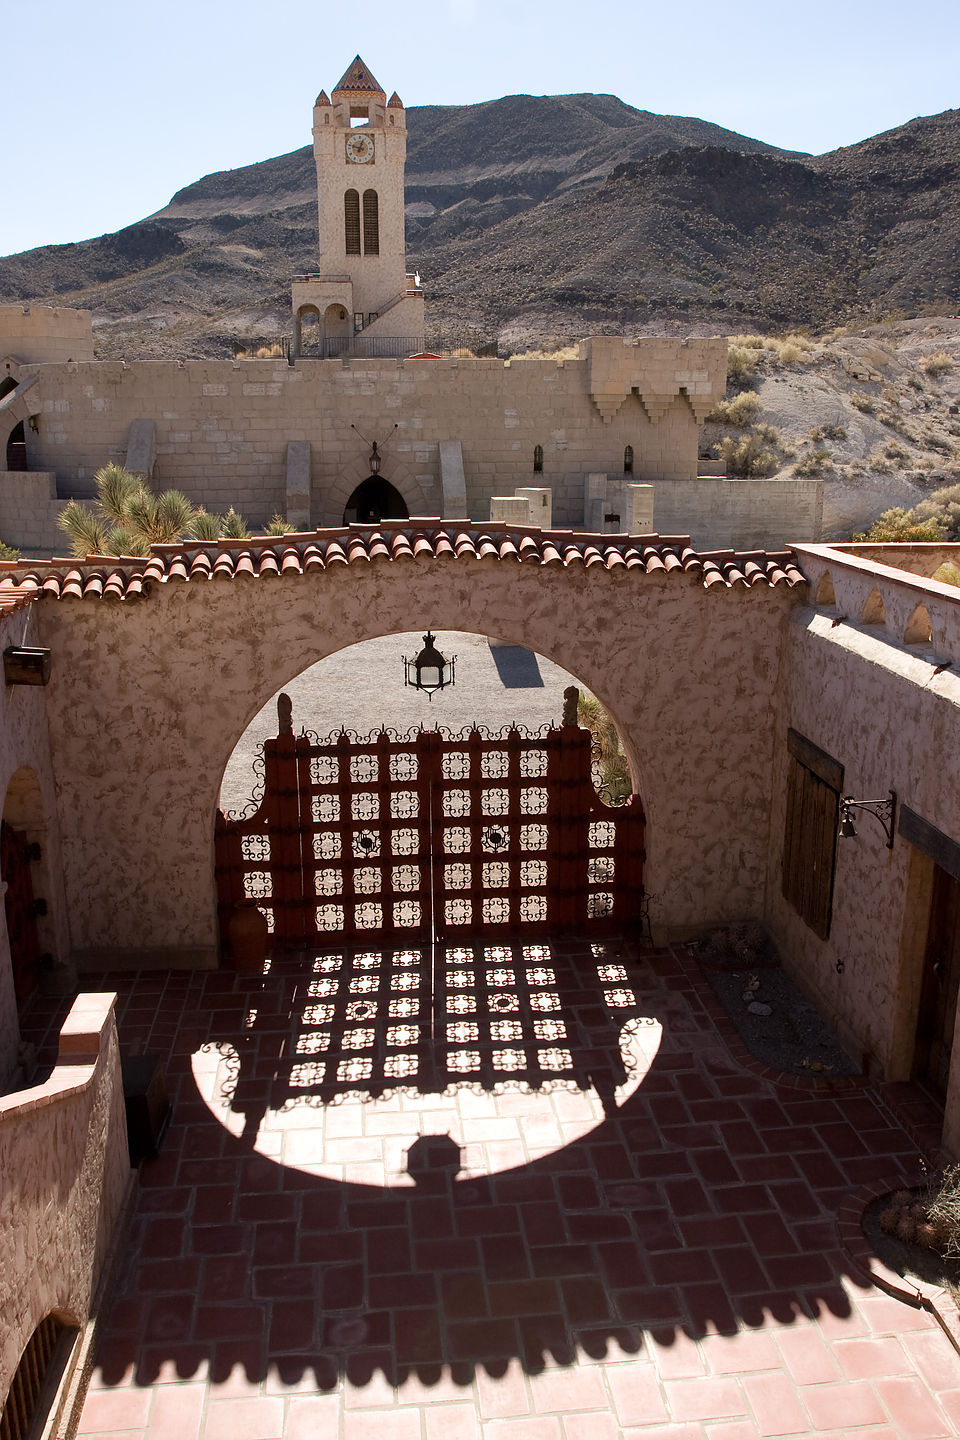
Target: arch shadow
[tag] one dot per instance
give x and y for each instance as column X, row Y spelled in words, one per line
column 702, row 1202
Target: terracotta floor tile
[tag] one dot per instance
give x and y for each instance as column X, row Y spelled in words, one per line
column 911, row 1408
column 704, row 1399
column 125, row 1409
column 592, row 1426
column 808, row 1358
column 637, row 1394
column 741, row 1353
column 861, row 1359
column 312, row 1417
column 452, row 1422
column 775, row 1405
column 831, row 1406
column 543, row 1427
column 260, row 1419
column 502, row 1391
column 178, row 1412
column 563, row 1391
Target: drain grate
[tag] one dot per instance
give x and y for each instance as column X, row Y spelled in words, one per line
column 28, row 1384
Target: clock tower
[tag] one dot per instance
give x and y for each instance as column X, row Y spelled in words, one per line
column 361, row 300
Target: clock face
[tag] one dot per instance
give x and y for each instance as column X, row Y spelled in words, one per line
column 359, row 149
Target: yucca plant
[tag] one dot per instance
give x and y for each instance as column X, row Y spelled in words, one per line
column 205, row 526
column 279, row 526
column 235, row 526
column 159, row 518
column 86, row 531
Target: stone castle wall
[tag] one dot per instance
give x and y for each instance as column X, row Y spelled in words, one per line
column 45, row 334
column 222, row 427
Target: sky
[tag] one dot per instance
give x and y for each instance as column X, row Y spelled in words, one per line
column 109, row 108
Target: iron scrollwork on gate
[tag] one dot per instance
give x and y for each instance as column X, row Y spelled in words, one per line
column 402, row 837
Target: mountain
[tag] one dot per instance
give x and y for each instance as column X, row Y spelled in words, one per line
column 533, row 217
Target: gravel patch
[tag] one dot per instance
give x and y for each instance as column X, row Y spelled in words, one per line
column 361, row 689
column 783, row 1030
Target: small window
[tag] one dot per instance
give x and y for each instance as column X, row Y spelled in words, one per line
column 374, row 315
column 371, row 223
column 814, row 787
column 351, row 221
column 628, row 460
column 538, row 459
column 357, row 321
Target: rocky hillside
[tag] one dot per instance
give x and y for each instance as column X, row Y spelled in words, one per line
column 547, row 217
column 874, row 413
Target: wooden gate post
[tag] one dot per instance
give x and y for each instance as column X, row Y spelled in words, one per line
column 282, row 813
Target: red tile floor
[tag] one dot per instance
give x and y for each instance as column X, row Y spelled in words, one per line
column 408, row 1197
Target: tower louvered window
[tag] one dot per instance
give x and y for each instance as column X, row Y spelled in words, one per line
column 371, row 223
column 351, row 221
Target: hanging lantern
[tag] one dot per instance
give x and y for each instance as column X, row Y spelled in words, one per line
column 429, row 671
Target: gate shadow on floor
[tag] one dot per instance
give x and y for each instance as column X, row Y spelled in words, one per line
column 702, row 1201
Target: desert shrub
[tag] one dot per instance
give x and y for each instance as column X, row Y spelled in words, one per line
column 749, row 342
column 8, row 552
column 827, row 432
column 894, row 451
column 930, row 440
column 790, row 354
column 750, row 455
column 895, row 421
column 947, row 573
column 818, row 462
column 739, row 411
column 863, row 402
column 939, row 363
column 941, row 508
column 741, row 364
column 900, row 526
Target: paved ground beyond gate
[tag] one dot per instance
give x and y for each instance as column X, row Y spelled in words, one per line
column 524, row 1262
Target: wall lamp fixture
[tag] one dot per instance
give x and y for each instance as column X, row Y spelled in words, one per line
column 883, row 810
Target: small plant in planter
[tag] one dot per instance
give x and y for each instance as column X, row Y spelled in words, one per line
column 930, row 1219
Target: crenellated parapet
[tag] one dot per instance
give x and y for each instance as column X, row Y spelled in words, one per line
column 658, row 372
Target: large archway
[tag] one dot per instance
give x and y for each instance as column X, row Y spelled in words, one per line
column 645, row 637
column 373, row 500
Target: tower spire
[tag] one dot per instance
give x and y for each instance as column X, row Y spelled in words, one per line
column 358, row 79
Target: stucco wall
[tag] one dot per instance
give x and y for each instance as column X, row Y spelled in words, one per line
column 880, row 710
column 65, row 1172
column 149, row 699
column 24, row 746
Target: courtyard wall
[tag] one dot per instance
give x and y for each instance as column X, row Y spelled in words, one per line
column 152, row 697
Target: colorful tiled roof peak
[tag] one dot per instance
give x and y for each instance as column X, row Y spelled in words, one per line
column 357, row 79
column 104, row 577
column 394, row 103
column 322, row 99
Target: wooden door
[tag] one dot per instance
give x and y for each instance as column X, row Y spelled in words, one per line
column 21, row 909
column 941, row 984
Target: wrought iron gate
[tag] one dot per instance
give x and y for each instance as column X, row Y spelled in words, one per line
column 405, row 838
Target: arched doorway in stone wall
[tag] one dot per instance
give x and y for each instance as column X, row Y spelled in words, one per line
column 15, row 457
column 373, row 500
column 23, row 870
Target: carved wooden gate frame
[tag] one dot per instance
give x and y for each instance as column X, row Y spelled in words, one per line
column 393, row 839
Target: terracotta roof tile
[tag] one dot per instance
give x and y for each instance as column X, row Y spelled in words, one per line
column 193, row 562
